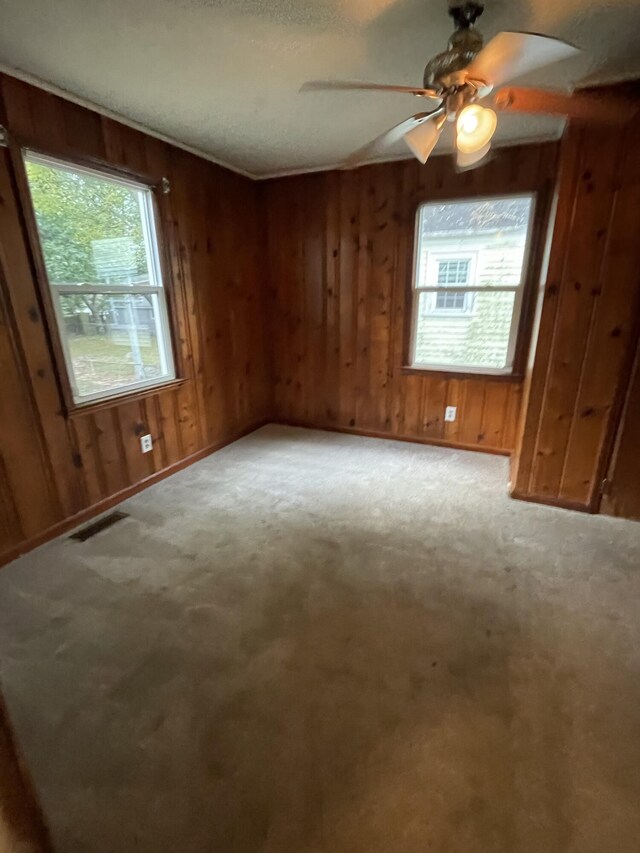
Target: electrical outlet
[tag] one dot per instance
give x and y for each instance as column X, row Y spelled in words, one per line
column 146, row 443
column 450, row 413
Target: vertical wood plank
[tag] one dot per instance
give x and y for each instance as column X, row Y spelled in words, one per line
column 95, row 481
column 112, row 462
column 28, row 493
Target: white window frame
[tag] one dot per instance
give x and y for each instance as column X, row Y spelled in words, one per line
column 518, row 289
column 155, row 287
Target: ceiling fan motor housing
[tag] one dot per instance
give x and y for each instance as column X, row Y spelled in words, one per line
column 444, row 70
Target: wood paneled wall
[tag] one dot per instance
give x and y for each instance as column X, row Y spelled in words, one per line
column 588, row 322
column 323, row 344
column 56, row 467
column 340, row 255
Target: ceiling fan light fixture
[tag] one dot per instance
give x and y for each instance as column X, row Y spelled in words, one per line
column 421, row 140
column 474, row 128
column 468, row 161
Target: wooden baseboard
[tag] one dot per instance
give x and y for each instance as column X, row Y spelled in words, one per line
column 558, row 503
column 107, row 503
column 436, row 442
column 546, row 501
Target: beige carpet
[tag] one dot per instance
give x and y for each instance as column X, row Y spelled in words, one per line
column 317, row 643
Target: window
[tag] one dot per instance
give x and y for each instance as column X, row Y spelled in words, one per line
column 469, row 276
column 453, row 271
column 100, row 250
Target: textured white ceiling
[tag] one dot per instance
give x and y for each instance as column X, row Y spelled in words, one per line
column 223, row 76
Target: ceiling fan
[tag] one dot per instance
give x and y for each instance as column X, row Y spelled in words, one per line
column 457, row 80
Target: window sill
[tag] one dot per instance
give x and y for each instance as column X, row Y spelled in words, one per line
column 78, row 409
column 410, row 370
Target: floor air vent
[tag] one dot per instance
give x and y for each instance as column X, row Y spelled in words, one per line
column 101, row 524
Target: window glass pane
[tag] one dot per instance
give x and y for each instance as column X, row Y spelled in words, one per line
column 112, row 341
column 451, row 301
column 462, row 248
column 93, row 230
column 491, row 231
column 454, row 272
column 99, row 245
column 478, row 338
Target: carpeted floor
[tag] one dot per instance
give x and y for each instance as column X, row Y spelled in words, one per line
column 318, row 643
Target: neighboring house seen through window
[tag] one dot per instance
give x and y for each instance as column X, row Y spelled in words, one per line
column 469, row 276
column 100, row 250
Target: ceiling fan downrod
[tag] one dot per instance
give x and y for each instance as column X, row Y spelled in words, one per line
column 443, row 72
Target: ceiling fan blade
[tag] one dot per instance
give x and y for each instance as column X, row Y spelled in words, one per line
column 591, row 107
column 464, row 162
column 346, row 85
column 422, row 138
column 389, row 137
column 509, row 55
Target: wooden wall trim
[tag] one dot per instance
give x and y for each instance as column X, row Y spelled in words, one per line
column 105, row 504
column 433, row 442
column 556, row 503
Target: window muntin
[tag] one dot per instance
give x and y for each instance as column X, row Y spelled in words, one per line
column 450, row 302
column 100, row 250
column 453, row 271
column 469, row 276
column 446, row 272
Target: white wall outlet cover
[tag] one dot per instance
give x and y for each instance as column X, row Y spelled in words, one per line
column 450, row 413
column 146, row 443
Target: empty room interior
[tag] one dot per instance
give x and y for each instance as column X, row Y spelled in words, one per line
column 319, row 426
